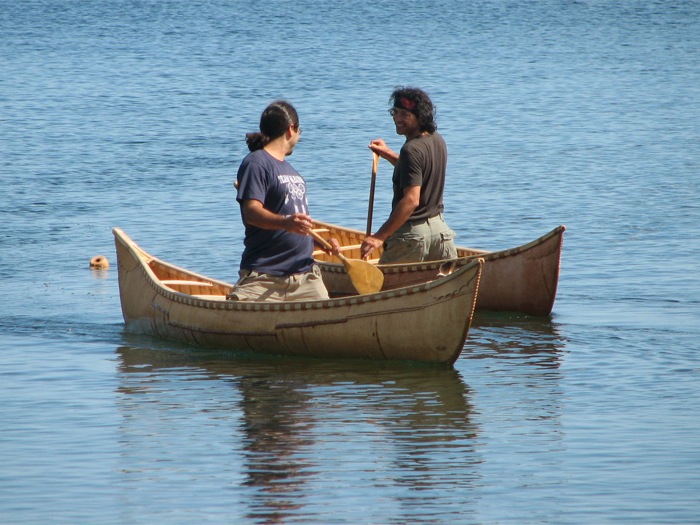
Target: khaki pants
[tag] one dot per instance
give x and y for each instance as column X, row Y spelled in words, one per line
column 255, row 286
column 417, row 241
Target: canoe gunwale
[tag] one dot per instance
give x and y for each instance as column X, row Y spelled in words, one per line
column 146, row 260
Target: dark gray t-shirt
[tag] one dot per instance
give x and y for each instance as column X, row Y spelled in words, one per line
column 422, row 162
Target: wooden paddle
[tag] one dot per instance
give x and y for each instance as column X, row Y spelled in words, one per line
column 375, row 160
column 364, row 276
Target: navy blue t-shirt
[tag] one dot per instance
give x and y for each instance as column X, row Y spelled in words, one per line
column 283, row 191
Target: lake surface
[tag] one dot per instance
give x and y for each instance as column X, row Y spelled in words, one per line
column 133, row 114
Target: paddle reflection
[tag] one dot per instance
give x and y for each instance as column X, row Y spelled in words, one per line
column 299, row 424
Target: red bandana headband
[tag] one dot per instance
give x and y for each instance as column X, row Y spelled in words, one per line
column 405, row 103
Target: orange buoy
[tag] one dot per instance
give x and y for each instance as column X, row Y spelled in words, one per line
column 99, row 262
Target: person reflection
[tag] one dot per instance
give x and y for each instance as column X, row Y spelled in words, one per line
column 274, row 429
column 277, row 428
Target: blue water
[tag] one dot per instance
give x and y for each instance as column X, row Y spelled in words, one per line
column 133, row 113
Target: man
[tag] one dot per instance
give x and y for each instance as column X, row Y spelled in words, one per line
column 277, row 263
column 415, row 230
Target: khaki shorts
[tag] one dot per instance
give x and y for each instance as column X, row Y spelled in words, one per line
column 417, row 241
column 263, row 287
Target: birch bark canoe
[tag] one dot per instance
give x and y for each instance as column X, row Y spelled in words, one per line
column 522, row 279
column 424, row 322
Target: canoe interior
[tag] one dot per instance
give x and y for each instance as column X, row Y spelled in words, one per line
column 182, row 281
column 179, row 279
column 351, row 241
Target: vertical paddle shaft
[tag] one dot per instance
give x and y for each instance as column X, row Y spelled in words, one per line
column 375, row 160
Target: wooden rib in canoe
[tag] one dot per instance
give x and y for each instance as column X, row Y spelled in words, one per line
column 522, row 279
column 425, row 322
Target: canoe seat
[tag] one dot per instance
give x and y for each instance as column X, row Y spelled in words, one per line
column 178, row 282
column 211, row 297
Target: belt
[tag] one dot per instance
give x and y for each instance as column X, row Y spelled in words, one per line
column 418, row 221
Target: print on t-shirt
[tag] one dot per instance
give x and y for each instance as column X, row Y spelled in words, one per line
column 296, row 192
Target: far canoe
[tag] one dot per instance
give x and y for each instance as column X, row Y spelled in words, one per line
column 522, row 279
column 423, row 322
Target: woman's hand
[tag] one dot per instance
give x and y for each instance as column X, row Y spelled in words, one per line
column 335, row 247
column 298, row 223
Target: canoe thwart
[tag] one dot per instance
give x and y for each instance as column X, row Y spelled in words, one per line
column 180, row 282
column 342, row 249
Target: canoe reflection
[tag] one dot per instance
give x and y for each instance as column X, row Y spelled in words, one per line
column 530, row 341
column 295, row 421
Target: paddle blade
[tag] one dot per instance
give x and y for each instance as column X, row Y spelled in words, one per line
column 364, row 276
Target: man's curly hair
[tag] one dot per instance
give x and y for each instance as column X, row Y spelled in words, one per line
column 424, row 108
